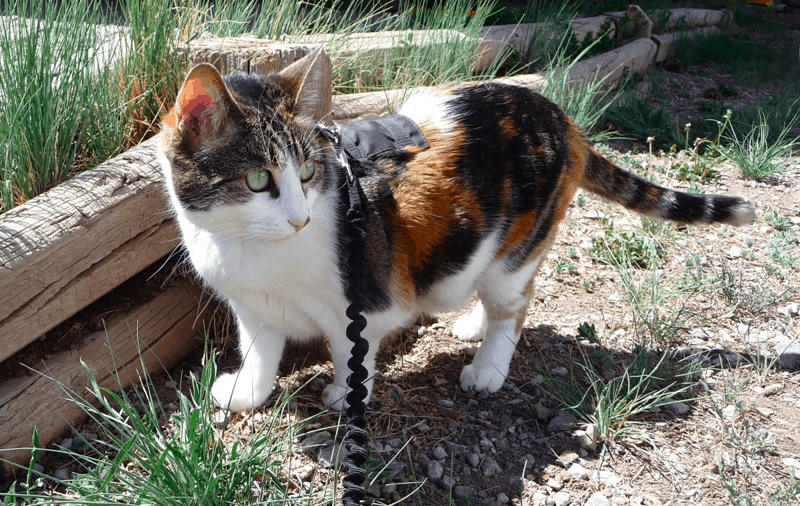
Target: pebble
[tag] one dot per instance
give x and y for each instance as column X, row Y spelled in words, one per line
column 561, row 498
column 589, row 437
column 473, row 459
column 598, row 499
column 567, row 457
column 772, row 389
column 66, row 443
column 729, row 412
column 502, row 498
column 559, row 371
column 331, row 456
column 790, row 310
column 446, row 403
column 541, row 412
column 463, row 491
column 435, row 471
column 554, row 484
column 447, row 482
column 315, row 441
column 528, row 461
column 678, row 408
column 439, row 453
column 578, row 471
column 490, row 467
column 61, row 474
column 563, row 421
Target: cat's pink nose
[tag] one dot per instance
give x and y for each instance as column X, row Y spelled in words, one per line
column 299, row 223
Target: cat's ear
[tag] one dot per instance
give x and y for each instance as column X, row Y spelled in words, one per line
column 204, row 105
column 308, row 81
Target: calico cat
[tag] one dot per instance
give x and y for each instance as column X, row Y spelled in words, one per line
column 261, row 198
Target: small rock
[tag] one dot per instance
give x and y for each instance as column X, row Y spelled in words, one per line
column 38, row 468
column 610, row 479
column 589, row 437
column 794, row 464
column 463, row 491
column 561, row 498
column 394, row 442
column 539, row 499
column 554, row 484
column 421, row 331
column 374, row 490
column 765, row 412
column 502, row 498
column 542, row 412
column 729, row 412
column 447, row 482
column 528, row 461
column 435, row 471
column 490, row 467
column 315, row 441
column 578, row 471
column 734, row 252
column 62, row 474
column 559, row 371
column 473, row 459
column 773, row 389
column 598, row 499
column 791, row 309
column 331, row 456
column 439, row 453
column 66, row 443
column 678, row 408
column 446, row 403
column 567, row 458
column 563, row 421
column 388, row 490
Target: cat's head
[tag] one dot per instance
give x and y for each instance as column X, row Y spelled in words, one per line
column 239, row 154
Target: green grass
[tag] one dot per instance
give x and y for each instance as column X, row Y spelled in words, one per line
column 153, row 456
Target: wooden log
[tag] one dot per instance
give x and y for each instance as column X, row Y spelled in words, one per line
column 245, row 54
column 666, row 42
column 161, row 329
column 635, row 56
column 71, row 245
column 519, row 36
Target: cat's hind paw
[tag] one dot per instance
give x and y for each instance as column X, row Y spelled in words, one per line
column 471, row 326
column 481, row 380
column 235, row 392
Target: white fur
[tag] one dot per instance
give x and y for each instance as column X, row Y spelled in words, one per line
column 429, row 107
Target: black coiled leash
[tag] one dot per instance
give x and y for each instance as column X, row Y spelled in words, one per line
column 356, row 436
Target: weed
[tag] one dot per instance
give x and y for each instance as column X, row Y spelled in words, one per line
column 635, row 116
column 565, row 267
column 178, row 458
column 617, row 406
column 777, row 221
column 639, row 249
column 754, row 154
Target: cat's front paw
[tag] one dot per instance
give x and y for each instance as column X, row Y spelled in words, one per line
column 236, row 392
column 334, row 397
column 487, row 380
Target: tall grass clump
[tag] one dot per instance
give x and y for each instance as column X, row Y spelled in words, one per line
column 46, row 93
column 756, row 155
column 445, row 56
column 151, row 456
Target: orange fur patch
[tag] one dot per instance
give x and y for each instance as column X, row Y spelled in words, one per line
column 429, row 202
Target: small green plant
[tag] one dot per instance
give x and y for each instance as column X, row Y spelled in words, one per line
column 640, row 249
column 754, row 154
column 618, row 405
column 565, row 267
column 153, row 456
column 777, row 221
column 635, row 116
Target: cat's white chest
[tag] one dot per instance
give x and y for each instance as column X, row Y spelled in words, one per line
column 293, row 283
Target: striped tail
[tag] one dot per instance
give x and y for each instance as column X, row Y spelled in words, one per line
column 631, row 191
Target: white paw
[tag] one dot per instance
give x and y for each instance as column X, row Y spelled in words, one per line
column 333, row 397
column 471, row 326
column 487, row 380
column 236, row 392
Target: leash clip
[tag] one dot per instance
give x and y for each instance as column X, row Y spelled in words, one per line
column 334, row 136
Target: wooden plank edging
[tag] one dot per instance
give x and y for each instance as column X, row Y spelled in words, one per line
column 159, row 329
column 74, row 243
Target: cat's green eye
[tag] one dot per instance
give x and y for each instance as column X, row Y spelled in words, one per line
column 258, row 180
column 307, row 171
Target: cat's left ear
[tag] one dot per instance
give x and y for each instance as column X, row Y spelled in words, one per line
column 309, row 82
column 204, row 105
